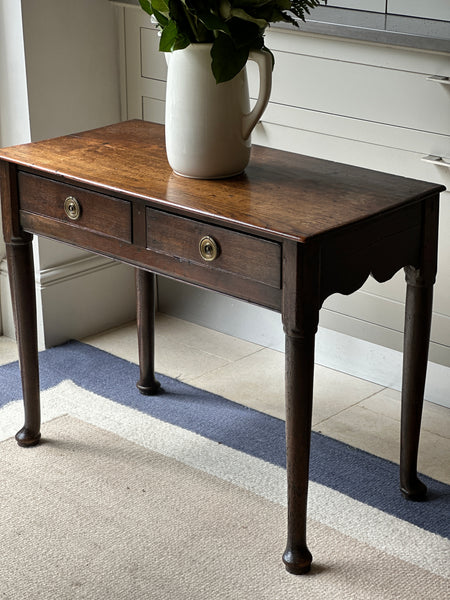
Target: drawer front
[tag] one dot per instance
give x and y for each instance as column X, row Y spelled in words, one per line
column 72, row 205
column 238, row 254
column 433, row 9
column 372, row 5
column 360, row 91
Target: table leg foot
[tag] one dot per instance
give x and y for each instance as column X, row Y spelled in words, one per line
column 149, row 388
column 297, row 562
column 414, row 490
column 26, row 438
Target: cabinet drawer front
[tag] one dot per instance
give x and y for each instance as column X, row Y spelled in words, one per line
column 372, row 5
column 96, row 212
column 360, row 91
column 433, row 9
column 239, row 254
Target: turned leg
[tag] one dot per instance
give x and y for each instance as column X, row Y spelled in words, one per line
column 21, row 276
column 145, row 289
column 418, row 310
column 299, row 395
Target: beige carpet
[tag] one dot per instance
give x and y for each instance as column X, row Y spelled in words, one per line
column 92, row 515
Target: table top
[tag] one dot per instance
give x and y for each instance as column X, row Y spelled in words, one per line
column 283, row 194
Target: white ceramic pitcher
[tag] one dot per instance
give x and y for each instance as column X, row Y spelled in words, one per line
column 208, row 125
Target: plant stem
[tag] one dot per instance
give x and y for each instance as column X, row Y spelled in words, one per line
column 191, row 22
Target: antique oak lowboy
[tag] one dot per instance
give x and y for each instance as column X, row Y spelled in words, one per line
column 286, row 234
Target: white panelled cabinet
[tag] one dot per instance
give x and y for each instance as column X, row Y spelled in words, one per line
column 371, row 5
column 368, row 104
column 431, row 9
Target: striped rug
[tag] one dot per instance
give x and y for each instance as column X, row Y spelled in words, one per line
column 182, row 496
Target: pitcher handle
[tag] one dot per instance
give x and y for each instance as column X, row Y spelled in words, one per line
column 264, row 61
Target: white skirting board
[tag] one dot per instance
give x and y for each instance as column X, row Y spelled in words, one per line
column 76, row 299
column 335, row 350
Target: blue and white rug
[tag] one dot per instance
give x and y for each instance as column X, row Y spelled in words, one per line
column 352, row 493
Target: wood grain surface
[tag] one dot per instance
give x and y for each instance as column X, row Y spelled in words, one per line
column 280, row 193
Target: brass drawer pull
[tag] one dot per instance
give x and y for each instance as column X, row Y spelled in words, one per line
column 209, row 248
column 72, row 208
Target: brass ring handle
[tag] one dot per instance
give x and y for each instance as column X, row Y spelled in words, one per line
column 209, row 248
column 72, row 208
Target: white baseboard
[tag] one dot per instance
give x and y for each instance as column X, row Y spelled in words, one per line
column 77, row 299
column 5, row 302
column 376, row 363
column 334, row 349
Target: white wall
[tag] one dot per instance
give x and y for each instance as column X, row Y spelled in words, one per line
column 14, row 120
column 71, row 60
column 72, row 65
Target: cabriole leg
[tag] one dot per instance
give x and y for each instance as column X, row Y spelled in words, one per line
column 299, row 396
column 21, row 275
column 419, row 297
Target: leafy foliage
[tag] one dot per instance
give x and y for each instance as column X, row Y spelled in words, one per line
column 234, row 27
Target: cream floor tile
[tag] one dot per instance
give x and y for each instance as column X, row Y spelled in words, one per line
column 172, row 359
column 201, row 338
column 183, row 350
column 8, row 350
column 335, row 391
column 258, row 381
column 380, row 435
column 435, row 419
column 120, row 341
column 182, row 362
column 172, row 330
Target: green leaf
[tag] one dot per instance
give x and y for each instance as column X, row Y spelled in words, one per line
column 227, row 60
column 283, row 4
column 186, row 20
column 160, row 5
column 225, row 9
column 301, row 8
column 244, row 34
column 162, row 19
column 172, row 39
column 145, row 5
column 213, row 22
column 239, row 13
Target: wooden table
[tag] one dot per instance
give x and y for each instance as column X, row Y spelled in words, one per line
column 285, row 235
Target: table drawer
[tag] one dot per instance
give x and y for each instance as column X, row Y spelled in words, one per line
column 238, row 254
column 75, row 206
